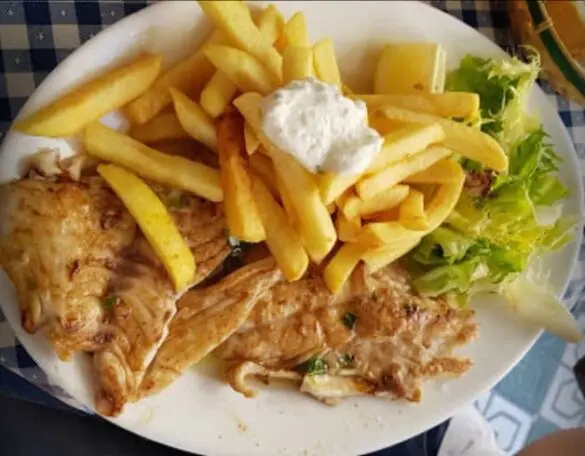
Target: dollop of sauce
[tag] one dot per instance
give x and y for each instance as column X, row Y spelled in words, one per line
column 322, row 129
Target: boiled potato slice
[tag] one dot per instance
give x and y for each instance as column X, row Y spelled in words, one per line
column 243, row 219
column 194, row 120
column 283, row 240
column 90, row 101
column 411, row 212
column 241, row 68
column 326, row 67
column 154, row 221
column 297, row 63
column 262, row 166
column 235, row 20
column 111, row 146
column 217, row 94
column 442, row 172
column 462, row 105
column 342, row 265
column 463, row 139
column 252, row 141
column 370, row 186
column 405, row 68
column 162, row 127
column 295, row 31
column 189, row 76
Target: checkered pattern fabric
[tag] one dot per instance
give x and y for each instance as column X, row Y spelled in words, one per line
column 36, row 35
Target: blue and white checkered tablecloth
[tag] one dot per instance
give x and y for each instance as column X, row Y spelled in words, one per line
column 537, row 397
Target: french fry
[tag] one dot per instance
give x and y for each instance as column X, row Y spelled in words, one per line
column 313, row 216
column 156, row 224
column 443, row 172
column 262, row 166
column 463, row 139
column 252, row 141
column 297, row 63
column 463, row 105
column 162, row 127
column 283, row 240
column 234, row 19
column 332, row 185
column 295, row 31
column 243, row 219
column 391, row 215
column 370, row 186
column 382, row 202
column 379, row 257
column 378, row 234
column 331, row 208
column 194, row 120
column 270, row 23
column 189, row 76
column 188, row 148
column 411, row 212
column 217, row 94
column 410, row 68
column 342, row 265
column 90, row 101
column 348, row 230
column 111, row 146
column 241, row 68
column 326, row 67
column 405, row 142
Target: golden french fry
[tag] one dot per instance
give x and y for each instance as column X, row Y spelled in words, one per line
column 326, row 67
column 332, row 185
column 241, row 68
column 382, row 202
column 391, row 215
column 90, row 101
column 154, row 221
column 411, row 212
column 283, row 240
column 406, row 68
column 449, row 104
column 295, row 31
column 297, row 63
column 162, row 127
column 188, row 76
column 288, row 205
column 348, row 230
column 217, row 94
column 111, row 146
column 405, row 142
column 317, row 227
column 370, row 186
column 270, row 23
column 377, row 258
column 443, row 172
column 235, row 20
column 194, row 120
column 463, row 139
column 342, row 265
column 262, row 166
column 331, row 208
column 243, row 219
column 377, row 234
column 252, row 141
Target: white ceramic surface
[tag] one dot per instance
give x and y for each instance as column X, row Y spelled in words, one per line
column 201, row 414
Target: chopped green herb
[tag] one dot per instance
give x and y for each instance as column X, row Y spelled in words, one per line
column 349, row 320
column 316, row 366
column 346, row 360
column 110, row 301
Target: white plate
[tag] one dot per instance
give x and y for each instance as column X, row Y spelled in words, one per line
column 199, row 413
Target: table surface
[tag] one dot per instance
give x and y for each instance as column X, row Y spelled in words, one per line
column 538, row 396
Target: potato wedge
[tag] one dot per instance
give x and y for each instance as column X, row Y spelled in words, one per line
column 295, row 31
column 297, row 63
column 283, row 241
column 217, row 94
column 348, row 230
column 70, row 113
column 443, row 172
column 382, row 202
column 194, row 120
column 406, row 68
column 411, row 212
column 189, row 76
column 155, row 223
column 342, row 265
column 234, row 19
column 463, row 139
column 370, row 186
column 161, row 128
column 270, row 23
column 313, row 215
column 405, row 142
column 243, row 219
column 241, row 68
column 463, row 105
column 111, row 146
column 326, row 67
column 262, row 166
column 252, row 141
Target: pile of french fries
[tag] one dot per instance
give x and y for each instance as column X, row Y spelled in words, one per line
column 214, row 96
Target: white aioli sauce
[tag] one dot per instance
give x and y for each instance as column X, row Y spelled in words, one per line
column 322, row 129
